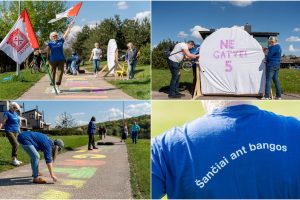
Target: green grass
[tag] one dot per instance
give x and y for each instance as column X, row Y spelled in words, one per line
column 71, row 142
column 138, row 88
column 16, row 87
column 139, row 161
column 289, row 80
column 165, row 113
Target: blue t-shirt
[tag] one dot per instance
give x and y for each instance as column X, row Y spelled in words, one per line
column 12, row 123
column 274, row 55
column 238, row 152
column 40, row 141
column 135, row 128
column 92, row 128
column 57, row 51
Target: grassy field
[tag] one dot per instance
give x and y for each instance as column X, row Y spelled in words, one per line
column 139, row 88
column 165, row 114
column 16, row 87
column 139, row 161
column 71, row 142
column 289, row 80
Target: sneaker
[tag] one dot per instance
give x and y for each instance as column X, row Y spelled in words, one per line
column 90, row 149
column 174, row 96
column 265, row 98
column 178, row 93
column 95, row 148
column 19, row 161
column 16, row 163
column 278, row 98
column 39, row 181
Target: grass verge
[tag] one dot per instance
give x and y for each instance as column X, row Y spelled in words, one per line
column 71, row 142
column 289, row 80
column 14, row 88
column 139, row 161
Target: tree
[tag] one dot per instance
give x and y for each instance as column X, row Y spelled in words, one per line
column 65, row 120
column 158, row 60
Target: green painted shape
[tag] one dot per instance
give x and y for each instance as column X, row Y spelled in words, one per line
column 83, row 172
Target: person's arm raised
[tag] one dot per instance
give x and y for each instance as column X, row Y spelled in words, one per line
column 68, row 31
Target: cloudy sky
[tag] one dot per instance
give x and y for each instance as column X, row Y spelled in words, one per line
column 82, row 111
column 183, row 20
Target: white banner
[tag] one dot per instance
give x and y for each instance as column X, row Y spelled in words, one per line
column 111, row 54
column 232, row 62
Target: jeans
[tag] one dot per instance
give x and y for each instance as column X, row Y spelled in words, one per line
column 175, row 72
column 73, row 67
column 131, row 69
column 12, row 138
column 91, row 141
column 96, row 63
column 272, row 74
column 134, row 137
column 35, row 157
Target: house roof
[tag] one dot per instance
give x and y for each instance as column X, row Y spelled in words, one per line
column 33, row 110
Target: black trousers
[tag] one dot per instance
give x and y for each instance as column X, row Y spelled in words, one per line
column 91, row 141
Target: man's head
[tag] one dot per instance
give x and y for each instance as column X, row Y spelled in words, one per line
column 13, row 106
column 191, row 44
column 272, row 40
column 93, row 119
column 58, row 145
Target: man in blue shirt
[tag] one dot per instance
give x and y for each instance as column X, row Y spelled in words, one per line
column 32, row 142
column 135, row 128
column 272, row 67
column 236, row 151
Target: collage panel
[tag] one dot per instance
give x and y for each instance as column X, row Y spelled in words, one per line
column 220, row 149
column 86, row 150
column 225, row 50
column 62, row 50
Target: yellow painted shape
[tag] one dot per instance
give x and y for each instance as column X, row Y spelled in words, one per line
column 94, row 156
column 76, row 183
column 81, row 151
column 54, row 194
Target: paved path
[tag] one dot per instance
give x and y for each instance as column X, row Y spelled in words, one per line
column 164, row 96
column 96, row 174
column 82, row 86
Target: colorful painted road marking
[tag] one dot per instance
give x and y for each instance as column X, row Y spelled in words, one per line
column 93, row 156
column 54, row 194
column 84, row 150
column 76, row 183
column 71, row 162
column 83, row 172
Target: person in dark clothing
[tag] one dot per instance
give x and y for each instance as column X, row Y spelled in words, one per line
column 124, row 133
column 102, row 132
column 91, row 132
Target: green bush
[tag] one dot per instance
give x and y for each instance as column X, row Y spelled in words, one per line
column 144, row 57
column 158, row 60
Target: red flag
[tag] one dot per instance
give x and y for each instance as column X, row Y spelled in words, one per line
column 20, row 42
column 71, row 12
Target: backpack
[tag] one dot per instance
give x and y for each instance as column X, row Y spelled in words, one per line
column 167, row 52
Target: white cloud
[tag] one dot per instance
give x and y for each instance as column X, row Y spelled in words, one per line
column 292, row 49
column 83, row 19
column 195, row 31
column 78, row 114
column 293, row 39
column 296, row 30
column 142, row 15
column 138, row 109
column 122, row 5
column 72, row 35
column 242, row 3
column 182, row 34
column 81, row 122
column 114, row 114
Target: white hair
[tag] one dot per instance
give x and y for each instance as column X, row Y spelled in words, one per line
column 273, row 39
column 14, row 104
column 210, row 105
column 52, row 34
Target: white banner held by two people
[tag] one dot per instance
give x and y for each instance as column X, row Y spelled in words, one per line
column 232, row 62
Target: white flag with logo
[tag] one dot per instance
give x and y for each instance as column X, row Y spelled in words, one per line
column 20, row 42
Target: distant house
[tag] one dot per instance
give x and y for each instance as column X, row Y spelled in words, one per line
column 261, row 37
column 36, row 120
column 289, row 61
column 4, row 106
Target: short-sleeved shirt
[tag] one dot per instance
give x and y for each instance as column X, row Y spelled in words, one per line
column 177, row 52
column 97, row 52
column 12, row 123
column 57, row 50
column 40, row 141
column 135, row 128
column 237, row 152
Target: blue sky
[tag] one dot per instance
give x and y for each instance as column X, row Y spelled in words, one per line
column 82, row 111
column 175, row 20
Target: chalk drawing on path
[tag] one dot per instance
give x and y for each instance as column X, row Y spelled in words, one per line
column 93, row 156
column 54, row 194
column 76, row 183
column 83, row 172
column 71, row 162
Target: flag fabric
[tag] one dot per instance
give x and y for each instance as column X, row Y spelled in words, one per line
column 21, row 41
column 71, row 12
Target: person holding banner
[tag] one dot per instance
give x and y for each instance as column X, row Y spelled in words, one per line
column 11, row 123
column 273, row 66
column 56, row 58
column 180, row 51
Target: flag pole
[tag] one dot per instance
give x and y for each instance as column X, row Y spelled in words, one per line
column 48, row 72
column 18, row 65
